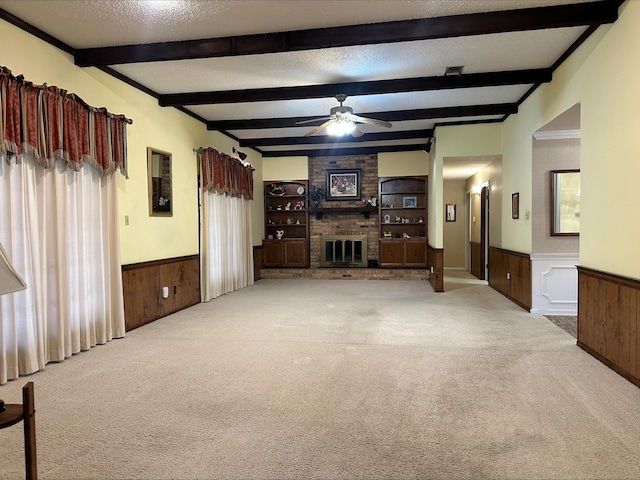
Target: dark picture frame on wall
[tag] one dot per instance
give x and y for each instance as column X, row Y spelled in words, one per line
column 515, row 205
column 450, row 212
column 344, row 184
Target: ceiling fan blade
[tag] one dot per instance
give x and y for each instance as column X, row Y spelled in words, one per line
column 320, row 127
column 357, row 132
column 312, row 120
column 371, row 121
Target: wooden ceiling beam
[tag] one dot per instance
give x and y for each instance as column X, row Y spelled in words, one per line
column 391, row 116
column 342, row 151
column 583, row 14
column 491, row 79
column 326, row 139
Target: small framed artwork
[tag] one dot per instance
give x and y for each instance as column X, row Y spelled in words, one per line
column 515, row 206
column 343, row 184
column 409, row 202
column 450, row 212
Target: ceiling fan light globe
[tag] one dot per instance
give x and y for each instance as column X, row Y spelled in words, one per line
column 340, row 127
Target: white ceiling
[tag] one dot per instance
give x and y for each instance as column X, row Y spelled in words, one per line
column 84, row 24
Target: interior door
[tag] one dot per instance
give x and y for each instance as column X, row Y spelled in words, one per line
column 484, row 232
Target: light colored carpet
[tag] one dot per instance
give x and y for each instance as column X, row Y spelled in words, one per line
column 334, row 379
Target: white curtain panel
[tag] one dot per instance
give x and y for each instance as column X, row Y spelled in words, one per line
column 60, row 230
column 226, row 251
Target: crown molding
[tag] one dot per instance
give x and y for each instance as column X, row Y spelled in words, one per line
column 557, row 135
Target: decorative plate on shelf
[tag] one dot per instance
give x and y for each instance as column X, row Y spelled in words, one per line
column 300, row 190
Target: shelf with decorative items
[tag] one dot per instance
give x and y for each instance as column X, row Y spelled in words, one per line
column 286, row 218
column 403, row 221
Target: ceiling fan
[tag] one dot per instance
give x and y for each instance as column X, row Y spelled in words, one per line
column 341, row 121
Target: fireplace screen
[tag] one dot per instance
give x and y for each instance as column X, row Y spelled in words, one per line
column 343, row 251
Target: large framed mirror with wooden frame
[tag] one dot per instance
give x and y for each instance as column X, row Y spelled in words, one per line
column 160, row 187
column 565, row 202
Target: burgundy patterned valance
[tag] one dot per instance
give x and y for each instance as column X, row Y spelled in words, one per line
column 52, row 124
column 226, row 175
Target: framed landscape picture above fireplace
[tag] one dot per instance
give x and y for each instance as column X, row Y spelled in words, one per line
column 343, row 184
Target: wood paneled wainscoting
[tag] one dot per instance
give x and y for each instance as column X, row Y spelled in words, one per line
column 435, row 261
column 258, row 262
column 477, row 260
column 510, row 274
column 142, row 284
column 609, row 320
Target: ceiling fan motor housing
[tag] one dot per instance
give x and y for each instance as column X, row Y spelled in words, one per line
column 341, row 110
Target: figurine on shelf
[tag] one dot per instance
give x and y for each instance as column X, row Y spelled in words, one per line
column 387, row 218
column 386, row 234
column 372, row 202
column 421, row 220
column 406, row 235
column 276, row 190
column 398, row 219
column 279, row 234
column 287, row 206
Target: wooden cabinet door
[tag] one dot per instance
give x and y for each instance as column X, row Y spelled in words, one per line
column 273, row 253
column 391, row 252
column 415, row 253
column 295, row 253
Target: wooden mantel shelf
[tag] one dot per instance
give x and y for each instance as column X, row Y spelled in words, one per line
column 364, row 210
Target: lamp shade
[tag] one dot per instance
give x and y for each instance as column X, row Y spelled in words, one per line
column 10, row 281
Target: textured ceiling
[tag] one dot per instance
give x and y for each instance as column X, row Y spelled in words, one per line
column 253, row 69
column 99, row 23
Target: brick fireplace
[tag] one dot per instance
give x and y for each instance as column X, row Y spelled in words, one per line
column 340, row 223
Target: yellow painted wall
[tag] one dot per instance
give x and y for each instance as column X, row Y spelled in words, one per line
column 469, row 140
column 465, row 141
column 286, row 168
column 145, row 238
column 546, row 103
column 403, row 163
column 610, row 151
column 455, row 232
column 492, row 173
column 602, row 76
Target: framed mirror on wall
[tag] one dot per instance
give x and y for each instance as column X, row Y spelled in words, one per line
column 160, row 183
column 565, row 202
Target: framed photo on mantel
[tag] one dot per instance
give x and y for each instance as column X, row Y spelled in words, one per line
column 343, row 184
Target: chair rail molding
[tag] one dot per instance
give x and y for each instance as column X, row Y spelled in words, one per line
column 554, row 283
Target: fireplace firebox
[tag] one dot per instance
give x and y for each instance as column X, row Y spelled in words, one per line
column 346, row 251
